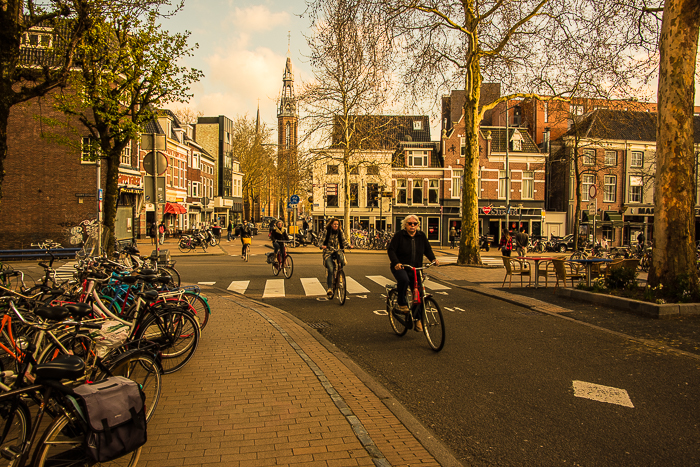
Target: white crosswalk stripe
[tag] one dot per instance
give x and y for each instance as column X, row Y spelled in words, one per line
column 381, row 280
column 65, row 272
column 488, row 260
column 274, row 288
column 238, row 286
column 435, row 286
column 312, row 286
column 353, row 286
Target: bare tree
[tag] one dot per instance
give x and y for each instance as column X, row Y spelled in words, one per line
column 538, row 47
column 351, row 67
column 674, row 254
column 186, row 114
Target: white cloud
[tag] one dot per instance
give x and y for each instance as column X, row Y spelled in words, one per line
column 257, row 18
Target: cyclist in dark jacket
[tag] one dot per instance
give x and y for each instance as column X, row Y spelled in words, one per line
column 333, row 240
column 278, row 233
column 244, row 231
column 408, row 246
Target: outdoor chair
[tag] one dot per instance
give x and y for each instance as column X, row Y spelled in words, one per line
column 564, row 270
column 615, row 264
column 516, row 267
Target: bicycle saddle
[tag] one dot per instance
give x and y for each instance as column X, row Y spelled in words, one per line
column 52, row 313
column 78, row 310
column 63, row 367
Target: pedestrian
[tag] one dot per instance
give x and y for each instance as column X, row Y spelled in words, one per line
column 153, row 232
column 408, row 247
column 640, row 241
column 304, row 225
column 161, row 232
column 521, row 240
column 604, row 243
column 453, row 236
column 506, row 243
column 229, row 229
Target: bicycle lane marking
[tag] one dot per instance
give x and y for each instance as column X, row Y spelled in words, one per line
column 274, row 288
column 312, row 286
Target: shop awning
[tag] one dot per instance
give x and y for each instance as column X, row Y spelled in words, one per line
column 615, row 217
column 174, row 208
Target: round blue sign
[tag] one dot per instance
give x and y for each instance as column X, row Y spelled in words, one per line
column 294, row 199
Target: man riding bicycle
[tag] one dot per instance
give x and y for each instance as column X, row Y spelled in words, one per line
column 333, row 240
column 408, row 247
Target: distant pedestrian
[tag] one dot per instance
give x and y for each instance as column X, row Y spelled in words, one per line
column 153, row 232
column 506, row 243
column 229, row 229
column 521, row 240
column 640, row 241
column 161, row 232
column 453, row 236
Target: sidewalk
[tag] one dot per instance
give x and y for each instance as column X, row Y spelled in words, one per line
column 264, row 390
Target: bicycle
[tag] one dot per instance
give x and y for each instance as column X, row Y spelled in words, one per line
column 283, row 261
column 247, row 241
column 423, row 307
column 339, row 284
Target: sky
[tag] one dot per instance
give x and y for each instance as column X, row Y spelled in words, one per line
column 242, row 51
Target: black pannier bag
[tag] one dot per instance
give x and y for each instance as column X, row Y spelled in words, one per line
column 115, row 414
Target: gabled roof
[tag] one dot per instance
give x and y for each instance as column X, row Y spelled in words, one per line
column 382, row 131
column 498, row 139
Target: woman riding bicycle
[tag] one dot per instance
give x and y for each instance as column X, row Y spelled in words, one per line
column 333, row 240
column 278, row 233
column 408, row 247
column 245, row 232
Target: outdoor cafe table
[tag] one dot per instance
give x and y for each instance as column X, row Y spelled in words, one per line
column 589, row 262
column 536, row 259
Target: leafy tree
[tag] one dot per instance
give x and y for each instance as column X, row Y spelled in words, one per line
column 351, row 68
column 128, row 68
column 541, row 47
column 674, row 254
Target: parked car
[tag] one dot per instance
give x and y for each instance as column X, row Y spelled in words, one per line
column 561, row 244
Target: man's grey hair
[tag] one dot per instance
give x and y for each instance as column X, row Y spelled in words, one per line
column 410, row 216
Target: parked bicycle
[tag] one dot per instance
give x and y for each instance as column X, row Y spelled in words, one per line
column 188, row 243
column 423, row 307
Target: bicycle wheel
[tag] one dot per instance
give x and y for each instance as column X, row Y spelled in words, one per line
column 184, row 245
column 142, row 368
column 340, row 290
column 62, row 444
column 200, row 306
column 177, row 334
column 172, row 272
column 433, row 324
column 275, row 267
column 288, row 267
column 396, row 318
column 16, row 425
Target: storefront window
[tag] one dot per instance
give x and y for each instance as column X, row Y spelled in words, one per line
column 433, row 229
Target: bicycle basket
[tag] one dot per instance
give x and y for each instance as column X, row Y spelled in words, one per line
column 247, row 240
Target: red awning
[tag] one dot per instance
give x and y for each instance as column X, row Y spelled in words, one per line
column 174, row 208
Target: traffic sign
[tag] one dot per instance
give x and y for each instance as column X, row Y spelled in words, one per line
column 486, row 210
column 294, row 199
column 592, row 191
column 150, row 159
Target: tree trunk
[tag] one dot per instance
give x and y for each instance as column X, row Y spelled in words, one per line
column 673, row 261
column 469, row 240
column 109, row 205
column 4, row 117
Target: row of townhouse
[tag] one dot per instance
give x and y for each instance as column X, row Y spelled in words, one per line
column 404, row 172
column 51, row 191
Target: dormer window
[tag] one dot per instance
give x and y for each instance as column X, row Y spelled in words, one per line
column 417, row 125
column 38, row 39
column 516, row 142
column 418, row 158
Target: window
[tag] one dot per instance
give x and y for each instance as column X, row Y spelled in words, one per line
column 37, row 40
column 480, row 184
column 576, row 110
column 331, row 170
column 636, row 185
column 528, row 189
column 372, row 195
column 637, row 159
column 502, row 184
column 433, row 191
column 373, row 170
column 417, row 125
column 517, row 144
column 610, row 157
column 417, row 195
column 195, row 160
column 610, row 188
column 589, row 157
column 332, row 201
column 546, row 112
column 354, row 170
column 418, row 158
column 88, row 150
column 586, row 181
column 457, row 183
column 462, row 145
column 354, row 196
column 196, row 189
column 400, row 191
column 433, row 228
column 125, row 158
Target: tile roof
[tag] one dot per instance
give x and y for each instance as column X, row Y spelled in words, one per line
column 498, row 138
column 384, row 131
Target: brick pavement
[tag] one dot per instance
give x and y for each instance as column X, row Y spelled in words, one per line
column 264, row 390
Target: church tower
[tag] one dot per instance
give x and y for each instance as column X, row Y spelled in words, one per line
column 287, row 121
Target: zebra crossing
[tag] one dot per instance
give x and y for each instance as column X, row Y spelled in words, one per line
column 315, row 287
column 488, row 260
